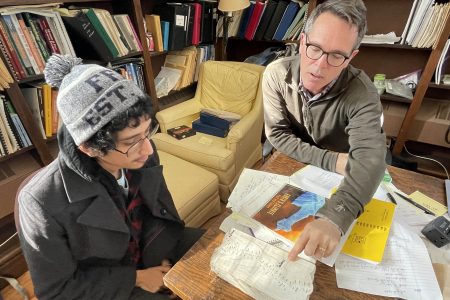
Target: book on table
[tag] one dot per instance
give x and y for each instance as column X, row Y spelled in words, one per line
column 289, row 211
column 368, row 238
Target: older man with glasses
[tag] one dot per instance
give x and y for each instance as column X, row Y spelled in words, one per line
column 322, row 111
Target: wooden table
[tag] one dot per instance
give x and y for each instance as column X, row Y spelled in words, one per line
column 191, row 277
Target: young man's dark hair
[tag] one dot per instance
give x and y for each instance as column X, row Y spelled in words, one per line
column 99, row 221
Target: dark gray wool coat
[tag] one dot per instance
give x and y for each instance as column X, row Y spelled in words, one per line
column 72, row 234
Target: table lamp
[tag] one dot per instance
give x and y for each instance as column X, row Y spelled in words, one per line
column 228, row 6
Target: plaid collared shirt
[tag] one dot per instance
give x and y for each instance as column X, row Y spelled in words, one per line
column 310, row 97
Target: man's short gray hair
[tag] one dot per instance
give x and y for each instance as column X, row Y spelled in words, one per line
column 351, row 11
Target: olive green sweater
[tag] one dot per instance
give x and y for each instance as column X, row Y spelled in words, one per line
column 346, row 119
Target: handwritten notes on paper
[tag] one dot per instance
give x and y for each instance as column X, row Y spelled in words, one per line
column 261, row 270
column 254, row 189
column 405, row 272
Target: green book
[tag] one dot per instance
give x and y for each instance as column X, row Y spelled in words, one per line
column 90, row 13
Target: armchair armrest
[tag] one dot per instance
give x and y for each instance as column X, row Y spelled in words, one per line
column 248, row 125
column 180, row 114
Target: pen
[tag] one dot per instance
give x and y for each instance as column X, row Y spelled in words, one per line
column 391, row 198
column 426, row 210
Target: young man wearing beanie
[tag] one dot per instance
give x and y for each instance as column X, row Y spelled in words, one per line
column 99, row 222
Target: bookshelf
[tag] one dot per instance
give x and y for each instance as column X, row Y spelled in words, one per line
column 391, row 59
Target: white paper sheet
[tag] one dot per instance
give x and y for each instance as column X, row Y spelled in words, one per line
column 253, row 190
column 316, row 180
column 405, row 272
column 261, row 270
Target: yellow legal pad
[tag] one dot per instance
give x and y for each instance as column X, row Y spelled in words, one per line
column 368, row 238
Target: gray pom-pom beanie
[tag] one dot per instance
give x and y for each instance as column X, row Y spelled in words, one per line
column 89, row 95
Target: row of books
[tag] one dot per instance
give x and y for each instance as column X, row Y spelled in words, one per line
column 181, row 68
column 29, row 35
column 132, row 69
column 268, row 20
column 175, row 26
column 425, row 23
column 13, row 135
column 41, row 99
column 104, row 36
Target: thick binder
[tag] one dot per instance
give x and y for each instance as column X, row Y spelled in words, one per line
column 177, row 15
column 271, row 6
column 90, row 45
column 277, row 15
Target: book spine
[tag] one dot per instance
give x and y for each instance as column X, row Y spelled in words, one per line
column 14, row 38
column 64, row 35
column 136, row 37
column 32, row 44
column 47, row 99
column 24, row 42
column 8, row 126
column 8, row 43
column 56, row 35
column 10, row 115
column 48, row 36
column 30, row 22
column 102, row 32
column 9, row 61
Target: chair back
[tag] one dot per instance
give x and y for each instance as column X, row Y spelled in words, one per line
column 229, row 86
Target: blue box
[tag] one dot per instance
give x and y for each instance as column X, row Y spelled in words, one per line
column 199, row 126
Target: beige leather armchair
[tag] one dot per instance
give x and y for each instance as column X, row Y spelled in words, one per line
column 229, row 86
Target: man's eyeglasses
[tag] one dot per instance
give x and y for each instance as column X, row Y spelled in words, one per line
column 315, row 52
column 149, row 133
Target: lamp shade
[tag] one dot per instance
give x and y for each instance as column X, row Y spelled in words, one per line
column 233, row 5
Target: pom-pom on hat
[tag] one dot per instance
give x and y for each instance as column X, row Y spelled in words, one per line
column 89, row 95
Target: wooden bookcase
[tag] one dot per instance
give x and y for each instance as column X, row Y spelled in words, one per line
column 384, row 16
column 43, row 150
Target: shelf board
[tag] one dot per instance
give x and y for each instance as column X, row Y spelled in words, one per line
column 393, row 98
column 439, row 86
column 18, row 152
column 157, row 53
column 395, row 46
column 32, row 78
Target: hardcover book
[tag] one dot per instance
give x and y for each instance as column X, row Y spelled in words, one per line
column 289, row 211
column 181, row 132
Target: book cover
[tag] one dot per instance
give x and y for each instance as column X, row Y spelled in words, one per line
column 181, row 132
column 289, row 211
column 368, row 238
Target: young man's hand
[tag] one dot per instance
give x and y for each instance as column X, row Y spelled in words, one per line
column 319, row 239
column 151, row 279
column 341, row 163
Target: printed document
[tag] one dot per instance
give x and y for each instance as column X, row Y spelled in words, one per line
column 405, row 272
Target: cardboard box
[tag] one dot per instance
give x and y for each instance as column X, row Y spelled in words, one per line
column 429, row 126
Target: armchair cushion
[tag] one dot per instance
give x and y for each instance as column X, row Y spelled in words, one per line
column 233, row 87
